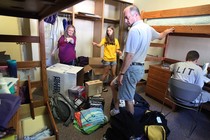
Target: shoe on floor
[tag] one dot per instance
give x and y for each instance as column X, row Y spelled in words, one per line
column 104, row 89
column 114, row 112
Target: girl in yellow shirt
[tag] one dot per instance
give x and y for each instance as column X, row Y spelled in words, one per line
column 111, row 48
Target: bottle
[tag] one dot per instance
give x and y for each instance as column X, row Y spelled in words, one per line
column 3, row 86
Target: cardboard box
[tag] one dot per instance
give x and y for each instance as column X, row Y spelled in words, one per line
column 93, row 87
column 87, row 68
column 62, row 77
column 97, row 73
column 95, row 62
column 43, row 118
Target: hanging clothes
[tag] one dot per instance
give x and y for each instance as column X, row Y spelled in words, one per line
column 51, row 19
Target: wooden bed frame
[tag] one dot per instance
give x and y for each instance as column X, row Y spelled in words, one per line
column 181, row 12
column 185, row 30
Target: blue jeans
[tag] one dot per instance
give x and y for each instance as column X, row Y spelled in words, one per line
column 108, row 63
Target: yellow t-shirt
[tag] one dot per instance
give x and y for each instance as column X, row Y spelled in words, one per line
column 110, row 51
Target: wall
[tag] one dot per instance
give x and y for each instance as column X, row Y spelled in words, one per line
column 10, row 25
column 84, row 29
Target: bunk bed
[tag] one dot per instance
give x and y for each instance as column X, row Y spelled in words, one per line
column 164, row 19
column 33, row 9
column 196, row 25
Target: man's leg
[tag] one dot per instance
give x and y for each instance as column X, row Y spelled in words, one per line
column 128, row 89
column 114, row 87
column 205, row 96
column 129, row 106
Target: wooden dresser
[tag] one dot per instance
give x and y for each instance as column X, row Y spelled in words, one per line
column 157, row 83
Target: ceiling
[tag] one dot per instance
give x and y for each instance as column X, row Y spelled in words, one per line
column 36, row 9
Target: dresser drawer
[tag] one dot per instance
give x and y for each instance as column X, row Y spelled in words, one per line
column 158, row 85
column 155, row 93
column 159, row 74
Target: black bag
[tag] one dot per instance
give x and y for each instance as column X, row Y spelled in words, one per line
column 82, row 61
column 24, row 93
column 140, row 106
column 125, row 125
column 155, row 122
column 122, row 126
column 62, row 108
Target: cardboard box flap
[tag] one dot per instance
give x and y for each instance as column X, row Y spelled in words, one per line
column 87, row 68
column 98, row 71
column 62, row 68
column 95, row 62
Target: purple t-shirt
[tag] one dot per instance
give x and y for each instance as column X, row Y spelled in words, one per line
column 67, row 51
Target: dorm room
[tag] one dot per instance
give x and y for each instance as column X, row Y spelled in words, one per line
column 156, row 85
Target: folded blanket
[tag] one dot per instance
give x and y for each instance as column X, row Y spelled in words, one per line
column 9, row 104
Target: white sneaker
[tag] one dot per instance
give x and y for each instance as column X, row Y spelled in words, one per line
column 114, row 112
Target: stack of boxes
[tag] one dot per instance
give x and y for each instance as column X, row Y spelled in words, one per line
column 69, row 80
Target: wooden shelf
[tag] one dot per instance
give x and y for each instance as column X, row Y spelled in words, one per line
column 190, row 29
column 25, row 64
column 179, row 12
column 80, row 15
column 157, row 45
column 154, row 58
column 66, row 12
column 87, row 17
column 113, row 21
column 18, row 38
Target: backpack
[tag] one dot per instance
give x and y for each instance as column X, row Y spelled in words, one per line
column 82, row 61
column 62, row 108
column 140, row 106
column 24, row 93
column 125, row 125
column 122, row 126
column 155, row 125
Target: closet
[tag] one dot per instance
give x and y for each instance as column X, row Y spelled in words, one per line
column 91, row 19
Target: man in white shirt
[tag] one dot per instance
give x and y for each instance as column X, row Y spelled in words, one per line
column 132, row 70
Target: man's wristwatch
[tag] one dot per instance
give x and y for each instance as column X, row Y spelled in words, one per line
column 122, row 73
